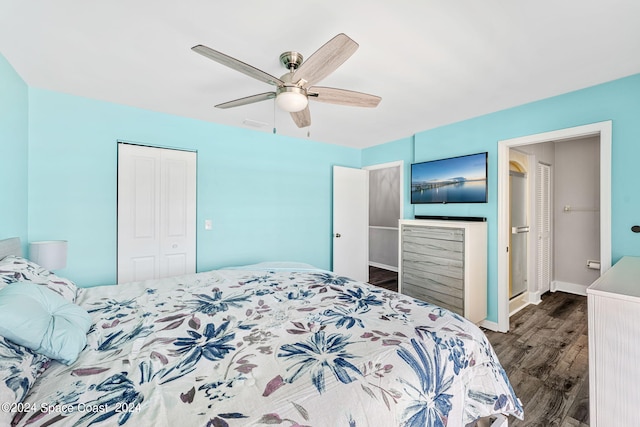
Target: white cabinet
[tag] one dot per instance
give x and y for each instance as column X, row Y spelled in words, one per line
column 614, row 345
column 445, row 263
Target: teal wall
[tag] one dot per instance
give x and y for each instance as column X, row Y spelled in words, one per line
column 269, row 196
column 618, row 101
column 14, row 138
column 65, row 148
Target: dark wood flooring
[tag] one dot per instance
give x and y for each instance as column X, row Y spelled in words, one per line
column 384, row 278
column 545, row 354
column 546, row 357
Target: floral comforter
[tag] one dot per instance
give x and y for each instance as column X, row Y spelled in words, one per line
column 270, row 347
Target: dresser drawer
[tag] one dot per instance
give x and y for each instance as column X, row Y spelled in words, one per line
column 433, row 264
column 438, row 248
column 453, row 285
column 440, row 233
column 431, row 295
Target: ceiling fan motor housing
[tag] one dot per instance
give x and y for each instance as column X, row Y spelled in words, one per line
column 291, row 60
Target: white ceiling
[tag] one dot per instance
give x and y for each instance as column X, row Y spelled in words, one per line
column 433, row 62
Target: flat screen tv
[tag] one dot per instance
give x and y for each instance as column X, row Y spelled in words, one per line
column 460, row 179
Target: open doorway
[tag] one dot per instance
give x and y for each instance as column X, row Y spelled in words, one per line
column 385, row 209
column 600, row 130
column 358, row 196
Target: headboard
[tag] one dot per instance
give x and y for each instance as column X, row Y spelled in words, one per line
column 10, row 246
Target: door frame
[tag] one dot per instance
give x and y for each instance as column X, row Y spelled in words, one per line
column 601, row 129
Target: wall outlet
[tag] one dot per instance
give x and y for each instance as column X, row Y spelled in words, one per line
column 208, row 225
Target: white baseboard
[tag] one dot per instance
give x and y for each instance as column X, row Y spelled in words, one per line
column 383, row 266
column 527, row 299
column 571, row 288
column 492, row 326
column 518, row 303
column 535, row 298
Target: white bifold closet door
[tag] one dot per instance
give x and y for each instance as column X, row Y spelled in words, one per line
column 543, row 226
column 156, row 212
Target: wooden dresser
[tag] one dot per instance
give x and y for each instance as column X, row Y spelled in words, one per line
column 445, row 263
column 614, row 345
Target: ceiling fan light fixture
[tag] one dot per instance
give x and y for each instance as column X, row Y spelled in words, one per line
column 291, row 93
column 291, row 99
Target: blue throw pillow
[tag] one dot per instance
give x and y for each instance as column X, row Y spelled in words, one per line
column 37, row 318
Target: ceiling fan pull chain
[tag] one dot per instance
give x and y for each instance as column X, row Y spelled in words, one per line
column 274, row 116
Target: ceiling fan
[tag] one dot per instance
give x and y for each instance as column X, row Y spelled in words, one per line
column 295, row 88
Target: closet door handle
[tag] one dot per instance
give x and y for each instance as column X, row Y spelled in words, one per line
column 338, row 235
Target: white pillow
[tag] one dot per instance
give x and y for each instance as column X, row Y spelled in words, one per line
column 17, row 269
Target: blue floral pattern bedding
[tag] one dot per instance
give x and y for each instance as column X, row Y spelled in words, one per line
column 270, row 347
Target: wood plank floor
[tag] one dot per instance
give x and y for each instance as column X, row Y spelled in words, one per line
column 545, row 355
column 384, row 278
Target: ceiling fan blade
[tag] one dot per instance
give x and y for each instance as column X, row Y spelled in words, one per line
column 332, row 95
column 237, row 65
column 302, row 118
column 247, row 100
column 325, row 60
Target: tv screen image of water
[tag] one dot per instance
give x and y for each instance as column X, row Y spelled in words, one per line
column 460, row 192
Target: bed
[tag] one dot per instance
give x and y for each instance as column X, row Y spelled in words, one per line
column 267, row 344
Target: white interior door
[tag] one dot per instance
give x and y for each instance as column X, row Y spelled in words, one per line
column 543, row 217
column 156, row 212
column 351, row 223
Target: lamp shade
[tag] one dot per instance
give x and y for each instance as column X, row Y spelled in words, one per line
column 50, row 254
